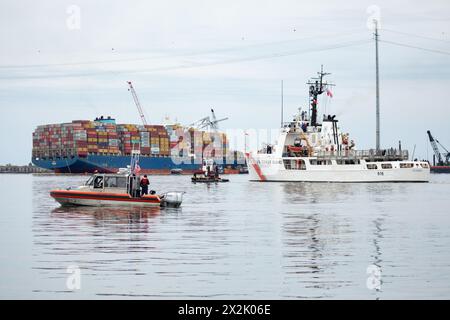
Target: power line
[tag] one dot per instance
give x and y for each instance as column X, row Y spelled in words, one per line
column 415, row 47
column 263, row 57
column 197, row 65
column 189, row 54
column 416, row 35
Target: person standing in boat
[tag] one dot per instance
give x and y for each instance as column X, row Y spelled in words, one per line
column 216, row 172
column 212, row 173
column 144, row 185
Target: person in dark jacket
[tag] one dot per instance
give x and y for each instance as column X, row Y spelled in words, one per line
column 144, row 185
column 216, row 172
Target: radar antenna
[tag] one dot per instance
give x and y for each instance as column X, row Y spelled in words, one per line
column 316, row 87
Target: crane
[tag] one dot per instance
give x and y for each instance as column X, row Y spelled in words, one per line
column 136, row 101
column 210, row 122
column 214, row 122
column 437, row 155
column 202, row 123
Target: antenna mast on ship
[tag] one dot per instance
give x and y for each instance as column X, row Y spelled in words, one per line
column 377, row 146
column 316, row 87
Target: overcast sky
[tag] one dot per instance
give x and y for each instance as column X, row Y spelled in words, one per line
column 66, row 60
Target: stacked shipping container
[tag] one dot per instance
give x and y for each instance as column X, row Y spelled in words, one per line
column 84, row 137
column 149, row 139
column 200, row 143
column 60, row 140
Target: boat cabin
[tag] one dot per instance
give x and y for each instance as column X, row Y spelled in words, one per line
column 114, row 183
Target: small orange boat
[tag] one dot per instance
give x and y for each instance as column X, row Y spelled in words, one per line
column 115, row 190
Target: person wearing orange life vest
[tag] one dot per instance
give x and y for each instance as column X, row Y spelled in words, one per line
column 144, row 185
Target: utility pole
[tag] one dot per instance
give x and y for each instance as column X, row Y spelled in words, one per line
column 377, row 146
column 282, row 104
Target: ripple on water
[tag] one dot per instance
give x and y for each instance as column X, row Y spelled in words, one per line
column 239, row 240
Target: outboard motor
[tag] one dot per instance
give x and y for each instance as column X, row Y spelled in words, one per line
column 172, row 199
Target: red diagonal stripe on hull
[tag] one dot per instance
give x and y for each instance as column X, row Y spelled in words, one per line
column 257, row 168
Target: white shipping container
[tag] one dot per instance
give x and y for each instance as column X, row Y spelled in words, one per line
column 145, row 142
column 113, row 142
column 145, row 138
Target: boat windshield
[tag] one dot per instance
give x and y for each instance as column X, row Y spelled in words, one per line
column 90, row 181
column 116, row 182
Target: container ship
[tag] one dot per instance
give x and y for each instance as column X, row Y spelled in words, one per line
column 84, row 146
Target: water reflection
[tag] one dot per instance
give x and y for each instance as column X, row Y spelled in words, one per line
column 313, row 236
column 317, row 192
column 120, row 214
column 251, row 240
column 376, row 274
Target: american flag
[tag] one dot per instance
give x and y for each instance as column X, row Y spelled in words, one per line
column 137, row 168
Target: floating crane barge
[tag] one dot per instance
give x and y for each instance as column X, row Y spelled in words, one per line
column 441, row 161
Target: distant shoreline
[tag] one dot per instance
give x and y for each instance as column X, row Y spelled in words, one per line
column 10, row 168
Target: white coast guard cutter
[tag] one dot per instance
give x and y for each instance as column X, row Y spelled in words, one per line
column 309, row 151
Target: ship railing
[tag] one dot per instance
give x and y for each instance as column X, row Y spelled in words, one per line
column 370, row 155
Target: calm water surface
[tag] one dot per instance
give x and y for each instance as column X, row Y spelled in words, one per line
column 241, row 240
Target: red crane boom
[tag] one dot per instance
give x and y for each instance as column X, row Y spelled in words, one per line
column 136, row 101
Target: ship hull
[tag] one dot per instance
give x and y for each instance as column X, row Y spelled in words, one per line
column 100, row 199
column 111, row 164
column 265, row 168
